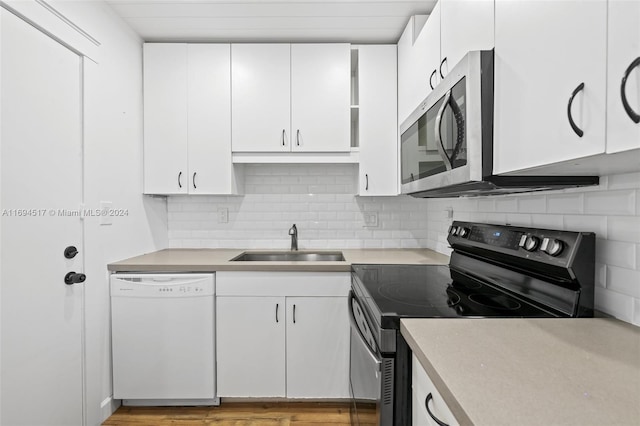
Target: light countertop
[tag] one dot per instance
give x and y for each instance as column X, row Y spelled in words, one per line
column 521, row 372
column 210, row 260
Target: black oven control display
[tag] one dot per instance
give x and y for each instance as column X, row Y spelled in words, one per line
column 497, row 237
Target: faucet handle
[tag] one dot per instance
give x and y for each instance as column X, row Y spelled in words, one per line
column 293, row 230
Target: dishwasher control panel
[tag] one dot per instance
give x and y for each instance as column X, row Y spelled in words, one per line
column 162, row 285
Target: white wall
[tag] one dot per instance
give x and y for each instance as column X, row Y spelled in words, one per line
column 320, row 200
column 112, row 168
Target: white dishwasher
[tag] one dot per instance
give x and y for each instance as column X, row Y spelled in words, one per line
column 163, row 339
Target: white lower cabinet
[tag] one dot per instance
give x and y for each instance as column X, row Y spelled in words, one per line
column 282, row 334
column 427, row 404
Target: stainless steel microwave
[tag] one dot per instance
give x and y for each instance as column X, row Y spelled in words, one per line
column 447, row 142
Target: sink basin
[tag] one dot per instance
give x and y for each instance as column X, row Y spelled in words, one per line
column 293, row 256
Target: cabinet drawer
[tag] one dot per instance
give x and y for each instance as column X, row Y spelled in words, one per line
column 257, row 283
column 422, row 386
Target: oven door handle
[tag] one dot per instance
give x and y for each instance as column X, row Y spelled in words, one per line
column 354, row 325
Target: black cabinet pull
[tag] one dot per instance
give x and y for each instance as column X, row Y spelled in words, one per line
column 277, row 305
column 180, row 180
column 575, row 128
column 435, row 419
column 294, row 314
column 441, row 64
column 366, row 187
column 298, row 137
column 70, row 252
column 634, row 116
column 431, row 78
column 283, row 135
column 194, row 180
column 74, row 278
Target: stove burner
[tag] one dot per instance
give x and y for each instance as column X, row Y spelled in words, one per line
column 495, row 302
column 466, row 285
column 412, row 296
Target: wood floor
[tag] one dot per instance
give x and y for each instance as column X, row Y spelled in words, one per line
column 242, row 414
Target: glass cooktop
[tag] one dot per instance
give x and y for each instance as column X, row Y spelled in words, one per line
column 392, row 292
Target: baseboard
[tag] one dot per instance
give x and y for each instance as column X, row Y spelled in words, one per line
column 108, row 407
column 170, row 402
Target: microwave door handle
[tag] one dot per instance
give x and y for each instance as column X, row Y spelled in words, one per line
column 457, row 114
column 438, row 130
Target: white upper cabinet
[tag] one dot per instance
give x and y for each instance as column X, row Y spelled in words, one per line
column 623, row 123
column 290, row 97
column 378, row 125
column 320, row 97
column 261, row 93
column 465, row 25
column 187, row 119
column 165, row 119
column 418, row 59
column 426, row 54
column 550, row 73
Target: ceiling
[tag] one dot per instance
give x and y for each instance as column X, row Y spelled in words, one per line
column 353, row 21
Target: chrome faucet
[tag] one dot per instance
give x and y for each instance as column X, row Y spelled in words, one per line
column 293, row 231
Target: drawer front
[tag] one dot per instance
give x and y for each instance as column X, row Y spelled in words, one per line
column 422, row 386
column 253, row 283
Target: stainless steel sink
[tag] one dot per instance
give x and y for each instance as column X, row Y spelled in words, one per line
column 293, row 256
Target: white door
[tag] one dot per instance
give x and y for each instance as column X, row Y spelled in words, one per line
column 41, row 155
column 261, row 97
column 377, row 73
column 317, row 347
column 209, row 119
column 465, row 25
column 250, row 342
column 623, row 127
column 427, row 58
column 544, row 51
column 320, row 97
column 165, row 119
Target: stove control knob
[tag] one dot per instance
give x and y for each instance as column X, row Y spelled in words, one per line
column 531, row 243
column 463, row 232
column 453, row 230
column 552, row 246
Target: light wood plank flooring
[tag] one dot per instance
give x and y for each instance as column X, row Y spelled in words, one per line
column 242, row 414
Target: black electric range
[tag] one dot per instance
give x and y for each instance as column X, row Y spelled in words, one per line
column 494, row 271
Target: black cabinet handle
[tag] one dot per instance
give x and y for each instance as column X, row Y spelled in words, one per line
column 366, row 176
column 180, row 180
column 74, row 278
column 575, row 128
column 283, row 135
column 70, row 252
column 294, row 314
column 441, row 64
column 435, row 419
column 277, row 305
column 635, row 117
column 194, row 180
column 431, row 78
column 298, row 137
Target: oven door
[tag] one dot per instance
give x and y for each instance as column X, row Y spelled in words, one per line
column 366, row 369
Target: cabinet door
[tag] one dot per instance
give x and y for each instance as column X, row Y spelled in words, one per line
column 317, row 347
column 320, row 97
column 623, row 49
column 209, row 119
column 377, row 73
column 165, row 118
column 465, row 25
column 250, row 344
column 421, row 388
column 260, row 93
column 544, row 51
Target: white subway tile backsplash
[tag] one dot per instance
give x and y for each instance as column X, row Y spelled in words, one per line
column 565, row 202
column 625, row 281
column 621, row 202
column 320, row 200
